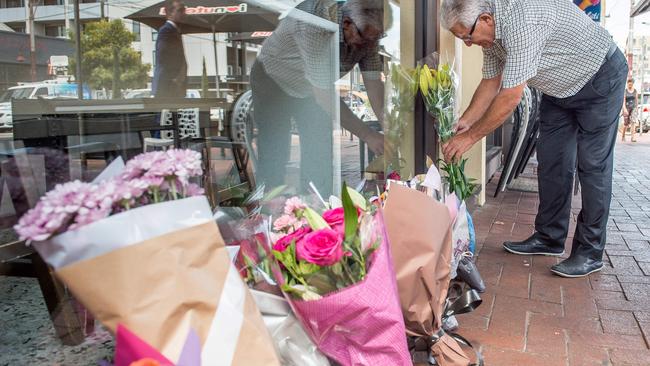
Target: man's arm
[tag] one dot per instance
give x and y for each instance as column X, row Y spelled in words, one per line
column 500, row 108
column 375, row 91
column 350, row 121
column 483, row 97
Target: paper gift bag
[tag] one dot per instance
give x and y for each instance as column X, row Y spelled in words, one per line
column 161, row 270
column 447, row 352
column 419, row 229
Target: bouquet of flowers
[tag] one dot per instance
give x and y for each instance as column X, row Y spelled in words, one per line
column 141, row 249
column 321, row 254
column 253, row 261
column 438, row 87
column 336, row 270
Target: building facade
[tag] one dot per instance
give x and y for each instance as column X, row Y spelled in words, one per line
column 55, row 18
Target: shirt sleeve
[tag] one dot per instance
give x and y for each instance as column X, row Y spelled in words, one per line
column 312, row 43
column 371, row 65
column 523, row 41
column 491, row 63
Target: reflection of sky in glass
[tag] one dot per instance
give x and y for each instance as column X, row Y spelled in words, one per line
column 391, row 42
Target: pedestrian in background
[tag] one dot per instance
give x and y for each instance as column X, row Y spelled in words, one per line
column 629, row 110
column 170, row 73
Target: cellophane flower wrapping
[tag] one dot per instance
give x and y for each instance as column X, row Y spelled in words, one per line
column 438, row 84
column 142, row 250
column 248, row 230
column 353, row 323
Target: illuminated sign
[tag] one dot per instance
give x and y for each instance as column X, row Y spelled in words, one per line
column 198, row 10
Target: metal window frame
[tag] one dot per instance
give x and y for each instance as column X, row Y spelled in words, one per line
column 427, row 40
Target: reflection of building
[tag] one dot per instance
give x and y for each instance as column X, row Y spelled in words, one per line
column 54, row 16
column 641, row 62
column 14, row 57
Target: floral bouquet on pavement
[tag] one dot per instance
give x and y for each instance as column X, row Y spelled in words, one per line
column 337, row 271
column 141, row 249
column 438, row 85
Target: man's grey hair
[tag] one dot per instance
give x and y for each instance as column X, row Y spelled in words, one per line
column 463, row 12
column 365, row 13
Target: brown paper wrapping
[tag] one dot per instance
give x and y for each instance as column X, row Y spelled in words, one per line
column 419, row 229
column 162, row 287
column 448, row 352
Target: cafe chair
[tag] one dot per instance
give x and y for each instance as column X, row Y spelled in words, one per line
column 188, row 127
column 239, row 130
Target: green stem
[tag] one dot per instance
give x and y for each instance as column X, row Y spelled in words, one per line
column 156, row 195
column 174, row 192
column 346, row 270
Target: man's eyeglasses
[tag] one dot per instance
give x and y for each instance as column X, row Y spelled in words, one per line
column 468, row 37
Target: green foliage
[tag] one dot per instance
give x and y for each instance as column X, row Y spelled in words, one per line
column 102, row 42
column 458, row 182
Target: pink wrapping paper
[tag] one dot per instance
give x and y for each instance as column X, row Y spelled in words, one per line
column 131, row 348
column 361, row 324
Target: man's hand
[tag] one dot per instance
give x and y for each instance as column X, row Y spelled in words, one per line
column 454, row 149
column 462, row 126
column 375, row 141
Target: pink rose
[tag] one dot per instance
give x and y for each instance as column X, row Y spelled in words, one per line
column 323, row 247
column 335, row 218
column 283, row 243
column 394, row 175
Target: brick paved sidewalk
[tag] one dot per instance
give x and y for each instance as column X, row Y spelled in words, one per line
column 531, row 317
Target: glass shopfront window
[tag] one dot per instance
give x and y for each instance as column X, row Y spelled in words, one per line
column 280, row 92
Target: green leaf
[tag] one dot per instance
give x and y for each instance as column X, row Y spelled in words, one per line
column 274, row 193
column 351, row 218
column 337, row 269
column 316, row 221
column 280, row 256
column 321, row 282
column 306, row 268
column 358, row 199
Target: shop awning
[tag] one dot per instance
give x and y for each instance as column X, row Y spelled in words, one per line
column 205, row 16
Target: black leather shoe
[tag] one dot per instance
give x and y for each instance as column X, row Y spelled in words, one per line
column 532, row 246
column 577, row 267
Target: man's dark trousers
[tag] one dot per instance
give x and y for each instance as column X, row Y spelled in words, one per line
column 583, row 126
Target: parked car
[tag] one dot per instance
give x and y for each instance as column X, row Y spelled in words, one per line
column 49, row 89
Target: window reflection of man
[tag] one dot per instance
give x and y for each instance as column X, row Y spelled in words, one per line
column 170, row 74
column 291, row 79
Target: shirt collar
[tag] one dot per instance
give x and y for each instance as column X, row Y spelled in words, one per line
column 174, row 24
